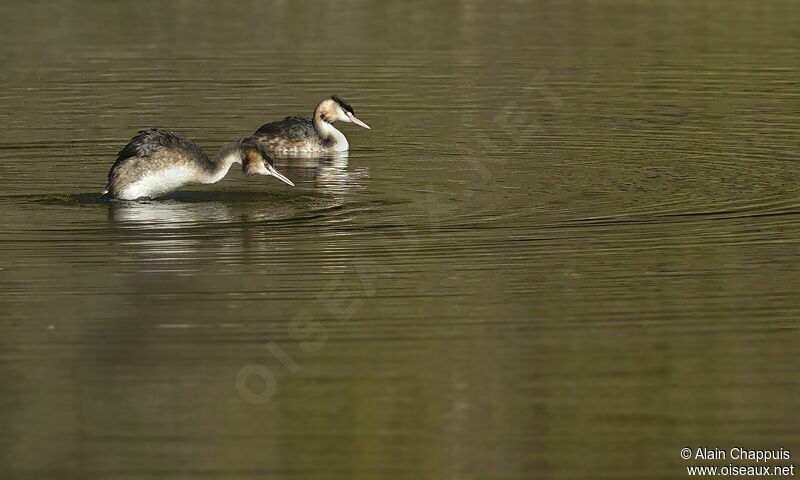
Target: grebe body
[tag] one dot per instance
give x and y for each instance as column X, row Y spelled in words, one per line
column 156, row 162
column 299, row 135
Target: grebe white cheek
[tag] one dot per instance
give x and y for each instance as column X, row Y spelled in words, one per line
column 259, row 162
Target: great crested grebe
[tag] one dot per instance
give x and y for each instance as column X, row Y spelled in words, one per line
column 156, row 162
column 309, row 135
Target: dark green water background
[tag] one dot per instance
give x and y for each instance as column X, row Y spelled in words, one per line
column 568, row 247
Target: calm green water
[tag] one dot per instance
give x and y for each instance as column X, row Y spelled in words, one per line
column 568, row 247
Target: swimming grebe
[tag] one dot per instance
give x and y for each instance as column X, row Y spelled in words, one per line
column 309, row 135
column 156, row 162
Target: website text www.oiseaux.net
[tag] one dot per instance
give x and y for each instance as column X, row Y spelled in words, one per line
column 759, row 457
column 741, row 470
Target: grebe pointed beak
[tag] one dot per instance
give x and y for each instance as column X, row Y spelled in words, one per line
column 357, row 121
column 275, row 173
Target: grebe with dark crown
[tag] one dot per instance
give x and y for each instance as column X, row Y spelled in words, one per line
column 156, row 162
column 309, row 135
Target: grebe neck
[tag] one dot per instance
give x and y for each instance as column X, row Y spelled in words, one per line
column 330, row 135
column 219, row 165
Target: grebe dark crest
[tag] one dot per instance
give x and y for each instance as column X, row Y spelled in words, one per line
column 309, row 135
column 156, row 162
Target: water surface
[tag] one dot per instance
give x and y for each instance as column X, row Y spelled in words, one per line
column 567, row 248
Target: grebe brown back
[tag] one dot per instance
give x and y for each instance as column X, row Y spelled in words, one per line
column 309, row 135
column 156, row 162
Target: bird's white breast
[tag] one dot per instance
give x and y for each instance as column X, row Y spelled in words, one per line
column 340, row 143
column 155, row 184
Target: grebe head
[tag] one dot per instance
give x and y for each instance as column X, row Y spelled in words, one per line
column 335, row 108
column 257, row 161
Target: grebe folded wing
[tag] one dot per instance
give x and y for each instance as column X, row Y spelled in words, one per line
column 151, row 140
column 291, row 133
column 294, row 126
